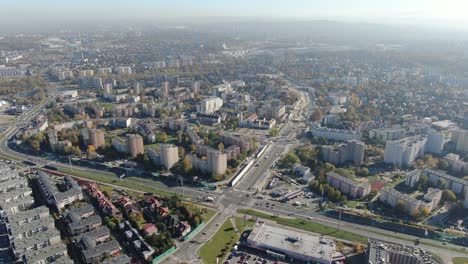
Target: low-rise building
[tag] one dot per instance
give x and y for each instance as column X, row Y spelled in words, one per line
column 295, row 245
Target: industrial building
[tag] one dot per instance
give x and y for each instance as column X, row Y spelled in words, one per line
column 293, row 244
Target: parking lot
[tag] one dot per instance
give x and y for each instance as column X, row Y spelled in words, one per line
column 251, row 256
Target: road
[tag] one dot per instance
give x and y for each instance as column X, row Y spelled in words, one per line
column 251, row 181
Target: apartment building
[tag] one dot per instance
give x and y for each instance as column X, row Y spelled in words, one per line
column 412, row 205
column 404, row 151
column 334, row 134
column 352, row 151
column 53, row 196
column 348, row 186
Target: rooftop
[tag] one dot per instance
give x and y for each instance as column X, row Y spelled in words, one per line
column 291, row 241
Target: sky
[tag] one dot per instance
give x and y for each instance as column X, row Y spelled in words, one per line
column 450, row 13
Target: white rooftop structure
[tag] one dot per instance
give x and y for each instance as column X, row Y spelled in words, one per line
column 300, row 246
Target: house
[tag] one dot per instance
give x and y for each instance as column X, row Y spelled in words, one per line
column 149, row 229
column 129, row 205
column 172, row 220
column 153, row 202
column 162, row 212
column 104, row 204
column 183, row 228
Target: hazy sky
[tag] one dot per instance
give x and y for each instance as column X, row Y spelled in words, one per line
column 436, row 12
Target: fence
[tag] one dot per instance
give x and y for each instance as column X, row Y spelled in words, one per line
column 163, row 255
column 194, row 231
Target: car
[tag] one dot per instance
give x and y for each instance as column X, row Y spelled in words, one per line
column 204, row 233
column 444, row 243
column 217, row 224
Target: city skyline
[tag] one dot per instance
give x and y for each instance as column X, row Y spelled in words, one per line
column 416, row 12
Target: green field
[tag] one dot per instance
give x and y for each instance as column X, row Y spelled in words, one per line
column 113, row 180
column 460, row 260
column 222, row 242
column 308, row 226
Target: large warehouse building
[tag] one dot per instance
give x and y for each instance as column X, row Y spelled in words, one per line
column 292, row 244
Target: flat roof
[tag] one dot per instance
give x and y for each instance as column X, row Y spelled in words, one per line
column 36, row 256
column 122, row 259
column 289, row 241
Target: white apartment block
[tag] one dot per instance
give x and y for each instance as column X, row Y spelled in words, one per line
column 124, row 70
column 334, row 134
column 404, row 151
column 352, row 150
column 215, row 164
column 456, row 165
column 460, row 137
column 210, row 105
column 435, row 142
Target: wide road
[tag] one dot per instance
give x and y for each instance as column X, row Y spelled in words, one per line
column 253, row 178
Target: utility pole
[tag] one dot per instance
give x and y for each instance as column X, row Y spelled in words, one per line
column 69, row 161
column 339, row 220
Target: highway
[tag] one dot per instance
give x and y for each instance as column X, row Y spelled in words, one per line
column 261, row 169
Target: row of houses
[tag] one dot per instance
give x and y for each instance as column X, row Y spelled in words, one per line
column 30, row 231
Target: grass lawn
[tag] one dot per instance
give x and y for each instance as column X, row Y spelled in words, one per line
column 460, row 260
column 352, row 204
column 241, row 226
column 112, row 179
column 220, row 243
column 308, row 226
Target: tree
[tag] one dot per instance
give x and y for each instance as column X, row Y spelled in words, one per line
column 220, row 146
column 443, row 164
column 422, row 183
column 179, row 136
column 186, row 166
column 448, row 196
column 316, row 115
column 161, row 136
column 91, row 151
column 34, row 145
column 358, row 247
column 290, row 159
column 424, row 213
column 329, row 167
column 400, row 208
column 111, row 225
column 274, row 131
column 442, row 184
